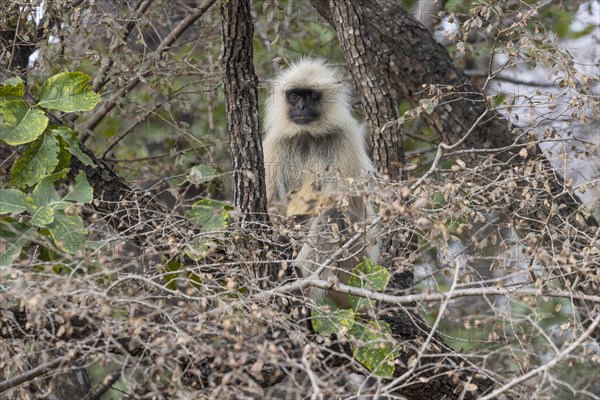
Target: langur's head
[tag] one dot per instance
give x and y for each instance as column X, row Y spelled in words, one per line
column 308, row 98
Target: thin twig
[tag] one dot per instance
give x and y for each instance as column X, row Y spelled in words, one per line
column 443, row 146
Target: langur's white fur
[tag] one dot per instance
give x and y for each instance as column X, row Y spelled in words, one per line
column 347, row 158
column 308, row 165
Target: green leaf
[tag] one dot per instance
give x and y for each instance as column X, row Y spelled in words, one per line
column 367, row 275
column 211, row 215
column 196, row 250
column 12, row 201
column 13, row 81
column 45, row 203
column 72, row 142
column 375, row 347
column 67, row 231
column 12, row 87
column 43, row 216
column 329, row 319
column 200, row 174
column 171, row 278
column 44, row 194
column 20, row 124
column 37, row 162
column 499, row 99
column 82, row 192
column 68, row 92
column 64, row 157
column 58, row 175
column 13, row 236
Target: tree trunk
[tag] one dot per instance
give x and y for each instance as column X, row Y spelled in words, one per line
column 240, row 85
column 371, row 80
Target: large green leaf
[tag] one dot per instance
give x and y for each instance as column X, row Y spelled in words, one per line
column 12, row 201
column 369, row 275
column 82, row 192
column 67, row 231
column 37, row 162
column 375, row 347
column 68, row 91
column 20, row 124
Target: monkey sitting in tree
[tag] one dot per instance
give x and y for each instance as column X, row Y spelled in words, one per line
column 314, row 151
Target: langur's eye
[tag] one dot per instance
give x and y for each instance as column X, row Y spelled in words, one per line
column 314, row 95
column 293, row 97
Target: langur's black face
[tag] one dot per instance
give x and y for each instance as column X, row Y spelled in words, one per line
column 304, row 105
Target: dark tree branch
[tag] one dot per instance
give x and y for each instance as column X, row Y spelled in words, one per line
column 29, row 375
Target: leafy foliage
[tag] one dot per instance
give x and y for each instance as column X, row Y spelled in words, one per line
column 44, row 157
column 372, row 343
column 47, row 210
column 39, row 159
column 370, row 276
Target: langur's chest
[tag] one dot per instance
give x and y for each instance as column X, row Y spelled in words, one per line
column 307, row 161
column 323, row 151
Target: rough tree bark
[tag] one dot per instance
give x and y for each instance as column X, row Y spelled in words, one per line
column 240, row 85
column 379, row 105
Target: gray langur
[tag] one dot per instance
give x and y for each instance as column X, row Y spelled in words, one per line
column 315, row 153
